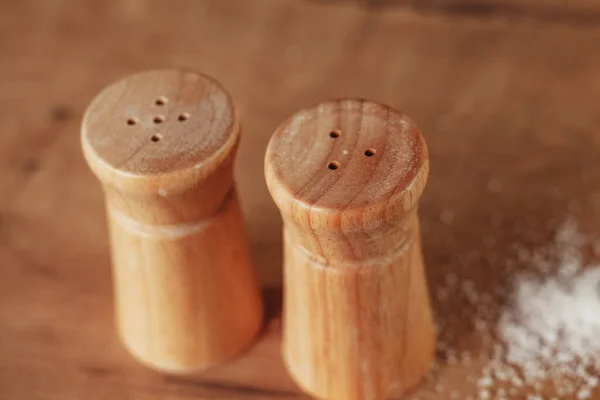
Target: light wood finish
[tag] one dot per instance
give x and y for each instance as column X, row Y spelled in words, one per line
column 347, row 176
column 513, row 101
column 163, row 145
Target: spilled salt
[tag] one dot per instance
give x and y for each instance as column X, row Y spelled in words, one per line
column 540, row 334
column 550, row 329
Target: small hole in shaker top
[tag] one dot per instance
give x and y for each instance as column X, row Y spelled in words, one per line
column 131, row 121
column 159, row 119
column 335, row 133
column 333, row 165
column 370, row 152
column 161, row 101
column 183, row 117
column 156, row 137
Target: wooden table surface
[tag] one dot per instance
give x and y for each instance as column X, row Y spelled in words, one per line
column 506, row 92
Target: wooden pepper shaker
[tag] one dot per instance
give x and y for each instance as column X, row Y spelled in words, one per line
column 347, row 176
column 163, row 145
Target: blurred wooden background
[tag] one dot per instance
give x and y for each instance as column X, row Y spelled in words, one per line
column 506, row 92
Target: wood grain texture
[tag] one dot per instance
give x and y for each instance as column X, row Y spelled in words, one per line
column 573, row 13
column 162, row 144
column 512, row 102
column 347, row 176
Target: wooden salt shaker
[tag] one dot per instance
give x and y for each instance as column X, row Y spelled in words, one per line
column 347, row 176
column 163, row 145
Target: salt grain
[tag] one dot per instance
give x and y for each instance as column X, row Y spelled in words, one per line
column 489, row 241
column 494, row 185
column 451, row 279
column 447, row 217
column 439, row 388
column 584, row 393
column 442, row 294
column 485, row 382
column 496, row 219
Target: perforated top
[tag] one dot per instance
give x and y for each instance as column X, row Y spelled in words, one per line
column 347, row 154
column 159, row 122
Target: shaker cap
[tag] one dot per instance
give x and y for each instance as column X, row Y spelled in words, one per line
column 346, row 162
column 159, row 128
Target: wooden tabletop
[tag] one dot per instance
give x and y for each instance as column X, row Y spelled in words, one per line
column 505, row 92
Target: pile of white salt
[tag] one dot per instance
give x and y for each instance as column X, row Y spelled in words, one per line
column 542, row 333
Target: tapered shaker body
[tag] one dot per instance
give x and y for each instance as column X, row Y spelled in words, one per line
column 347, row 176
column 162, row 144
